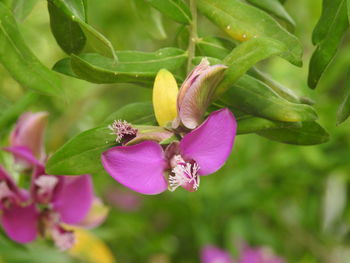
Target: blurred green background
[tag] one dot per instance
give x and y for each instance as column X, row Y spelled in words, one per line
column 291, row 198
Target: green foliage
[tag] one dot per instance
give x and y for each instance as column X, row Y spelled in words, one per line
column 133, row 66
column 244, row 22
column 309, row 133
column 22, row 64
column 175, row 9
column 327, row 35
column 66, row 17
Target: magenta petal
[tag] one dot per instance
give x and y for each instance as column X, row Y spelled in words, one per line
column 23, row 155
column 139, row 167
column 73, row 198
column 211, row 143
column 211, row 254
column 20, row 223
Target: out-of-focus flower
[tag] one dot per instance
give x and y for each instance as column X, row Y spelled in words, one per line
column 89, row 248
column 52, row 201
column 203, row 151
column 18, row 215
column 258, row 255
column 125, row 200
column 96, row 216
column 212, row 254
column 28, row 136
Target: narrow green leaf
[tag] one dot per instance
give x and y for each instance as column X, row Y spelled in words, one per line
column 275, row 8
column 256, row 98
column 76, row 11
column 133, row 66
column 10, row 115
column 310, row 133
column 256, row 124
column 151, row 19
column 174, row 9
column 244, row 56
column 344, row 108
column 22, row 8
column 21, row 63
column 82, row 154
column 216, row 47
column 328, row 46
column 330, row 11
column 68, row 34
column 136, row 113
column 281, row 90
column 243, row 22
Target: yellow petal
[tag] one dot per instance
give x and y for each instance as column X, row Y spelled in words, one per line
column 89, row 248
column 164, row 97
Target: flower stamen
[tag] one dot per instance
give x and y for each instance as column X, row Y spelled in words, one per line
column 123, row 130
column 184, row 174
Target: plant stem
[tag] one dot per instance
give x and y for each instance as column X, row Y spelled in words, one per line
column 193, row 35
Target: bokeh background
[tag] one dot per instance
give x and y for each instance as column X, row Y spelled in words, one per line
column 292, row 199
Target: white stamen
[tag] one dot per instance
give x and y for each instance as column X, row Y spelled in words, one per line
column 183, row 173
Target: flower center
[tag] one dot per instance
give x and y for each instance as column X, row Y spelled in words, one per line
column 183, row 174
column 45, row 187
column 123, row 130
column 5, row 193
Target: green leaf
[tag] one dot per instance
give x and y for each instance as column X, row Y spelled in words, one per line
column 328, row 42
column 256, row 124
column 75, row 10
column 216, row 47
column 281, row 90
column 135, row 113
column 344, row 108
column 21, row 63
column 256, row 98
column 133, row 66
column 275, row 8
column 330, row 11
column 22, row 8
column 243, row 22
column 151, row 19
column 310, row 133
column 10, row 115
column 68, row 34
column 244, row 56
column 82, row 154
column 174, row 9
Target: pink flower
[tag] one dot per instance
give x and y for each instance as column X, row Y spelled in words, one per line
column 27, row 137
column 52, row 201
column 149, row 169
column 212, row 254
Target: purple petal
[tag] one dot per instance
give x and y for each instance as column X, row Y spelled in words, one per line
column 20, row 223
column 12, row 190
column 258, row 255
column 73, row 198
column 29, row 132
column 139, row 167
column 211, row 143
column 211, row 254
column 24, row 156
